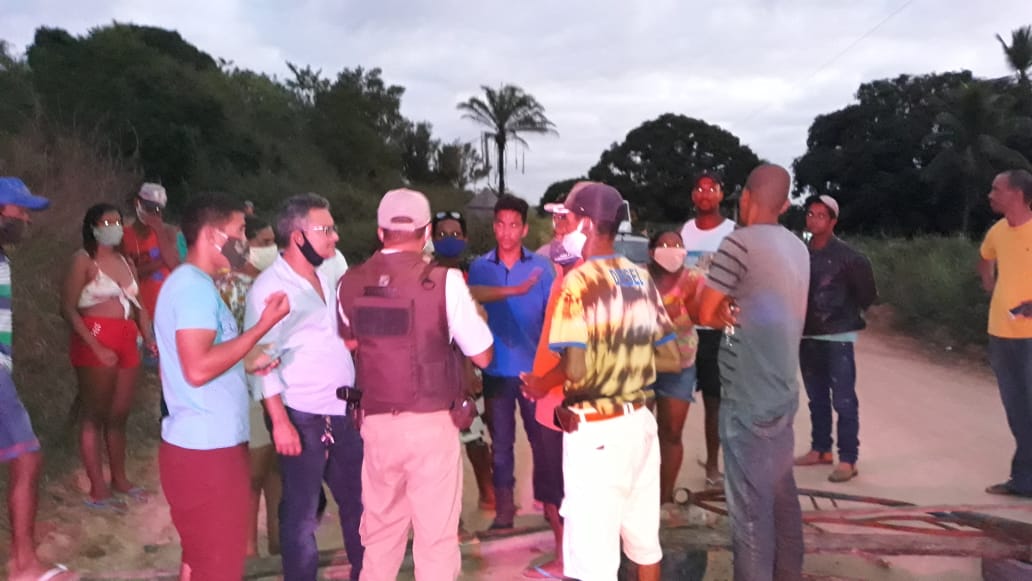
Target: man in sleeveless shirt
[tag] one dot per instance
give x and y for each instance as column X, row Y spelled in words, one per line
column 405, row 317
column 151, row 243
column 702, row 236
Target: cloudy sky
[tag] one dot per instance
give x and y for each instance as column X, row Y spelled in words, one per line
column 761, row 69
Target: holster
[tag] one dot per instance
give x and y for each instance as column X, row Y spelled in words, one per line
column 463, row 411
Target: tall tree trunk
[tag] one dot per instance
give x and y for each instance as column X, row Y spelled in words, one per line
column 500, row 142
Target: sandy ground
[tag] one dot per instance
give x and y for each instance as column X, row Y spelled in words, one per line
column 932, row 432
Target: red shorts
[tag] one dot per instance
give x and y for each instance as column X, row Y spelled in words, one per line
column 118, row 335
column 209, row 496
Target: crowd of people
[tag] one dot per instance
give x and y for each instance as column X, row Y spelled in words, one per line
column 285, row 373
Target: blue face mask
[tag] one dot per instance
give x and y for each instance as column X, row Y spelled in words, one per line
column 449, row 247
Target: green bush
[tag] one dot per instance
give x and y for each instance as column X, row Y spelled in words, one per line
column 932, row 286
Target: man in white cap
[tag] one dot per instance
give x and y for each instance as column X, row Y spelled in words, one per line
column 561, row 225
column 406, row 318
column 151, row 243
column 19, row 447
column 841, row 288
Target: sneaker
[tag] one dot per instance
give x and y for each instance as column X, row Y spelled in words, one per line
column 813, row 458
column 844, row 472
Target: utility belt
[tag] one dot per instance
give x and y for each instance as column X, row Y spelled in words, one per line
column 462, row 409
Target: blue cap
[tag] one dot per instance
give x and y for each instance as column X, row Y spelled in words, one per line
column 14, row 192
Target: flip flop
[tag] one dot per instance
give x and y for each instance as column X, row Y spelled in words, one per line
column 56, row 571
column 110, row 504
column 539, row 573
column 137, row 493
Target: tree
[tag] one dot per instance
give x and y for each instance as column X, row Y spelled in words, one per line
column 971, row 134
column 418, row 152
column 655, row 166
column 869, row 156
column 459, row 164
column 19, row 98
column 506, row 113
column 1019, row 52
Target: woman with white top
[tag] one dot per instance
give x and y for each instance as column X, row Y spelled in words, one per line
column 101, row 306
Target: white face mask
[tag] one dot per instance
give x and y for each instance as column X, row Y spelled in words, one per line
column 670, row 258
column 108, row 235
column 573, row 242
column 262, row 257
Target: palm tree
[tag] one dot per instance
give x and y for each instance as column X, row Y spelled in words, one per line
column 971, row 132
column 1019, row 52
column 506, row 112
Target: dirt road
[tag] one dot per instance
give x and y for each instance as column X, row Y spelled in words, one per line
column 932, row 432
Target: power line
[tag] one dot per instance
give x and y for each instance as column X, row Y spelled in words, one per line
column 841, row 53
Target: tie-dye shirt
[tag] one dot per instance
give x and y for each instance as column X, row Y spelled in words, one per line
column 611, row 308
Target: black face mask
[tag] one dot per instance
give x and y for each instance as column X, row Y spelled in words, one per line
column 12, row 230
column 308, row 251
column 235, row 251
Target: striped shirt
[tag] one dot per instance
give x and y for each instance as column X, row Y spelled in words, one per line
column 6, row 327
column 766, row 270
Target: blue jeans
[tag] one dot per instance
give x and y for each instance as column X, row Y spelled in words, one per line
column 829, row 374
column 762, row 501
column 340, row 465
column 501, row 395
column 1011, row 360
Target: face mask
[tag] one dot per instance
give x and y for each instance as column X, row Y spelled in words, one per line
column 670, row 258
column 573, row 243
column 12, row 230
column 263, row 256
column 108, row 235
column 308, row 251
column 449, row 247
column 235, row 251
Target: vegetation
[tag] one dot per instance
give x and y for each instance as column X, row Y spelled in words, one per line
column 930, row 283
column 506, row 112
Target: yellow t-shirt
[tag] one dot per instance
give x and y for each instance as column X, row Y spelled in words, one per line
column 1011, row 248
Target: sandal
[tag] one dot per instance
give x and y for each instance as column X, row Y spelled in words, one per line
column 136, row 493
column 109, row 504
column 813, row 458
column 53, row 572
column 844, row 472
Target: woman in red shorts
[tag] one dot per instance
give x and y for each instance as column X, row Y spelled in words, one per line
column 100, row 303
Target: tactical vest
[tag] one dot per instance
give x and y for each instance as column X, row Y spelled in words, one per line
column 405, row 361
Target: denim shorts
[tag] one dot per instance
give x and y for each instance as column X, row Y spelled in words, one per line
column 16, row 435
column 676, row 385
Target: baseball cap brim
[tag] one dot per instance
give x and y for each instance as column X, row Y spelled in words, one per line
column 15, row 193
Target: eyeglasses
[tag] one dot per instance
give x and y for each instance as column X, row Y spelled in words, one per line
column 325, row 230
column 443, row 215
column 110, row 223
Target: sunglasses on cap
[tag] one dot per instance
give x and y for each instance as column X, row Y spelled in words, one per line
column 445, row 215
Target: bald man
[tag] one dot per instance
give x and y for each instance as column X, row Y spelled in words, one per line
column 756, row 290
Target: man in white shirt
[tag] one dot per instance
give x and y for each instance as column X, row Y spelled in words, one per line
column 702, row 236
column 409, row 319
column 314, row 432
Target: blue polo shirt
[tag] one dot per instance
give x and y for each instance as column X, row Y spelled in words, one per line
column 516, row 321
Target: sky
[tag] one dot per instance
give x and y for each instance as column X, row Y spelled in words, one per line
column 761, row 69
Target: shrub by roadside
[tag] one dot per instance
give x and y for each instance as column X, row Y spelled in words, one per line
column 932, row 286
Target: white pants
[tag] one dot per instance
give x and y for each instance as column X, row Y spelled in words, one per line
column 611, row 472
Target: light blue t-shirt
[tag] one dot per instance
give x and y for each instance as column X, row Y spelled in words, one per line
column 213, row 415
